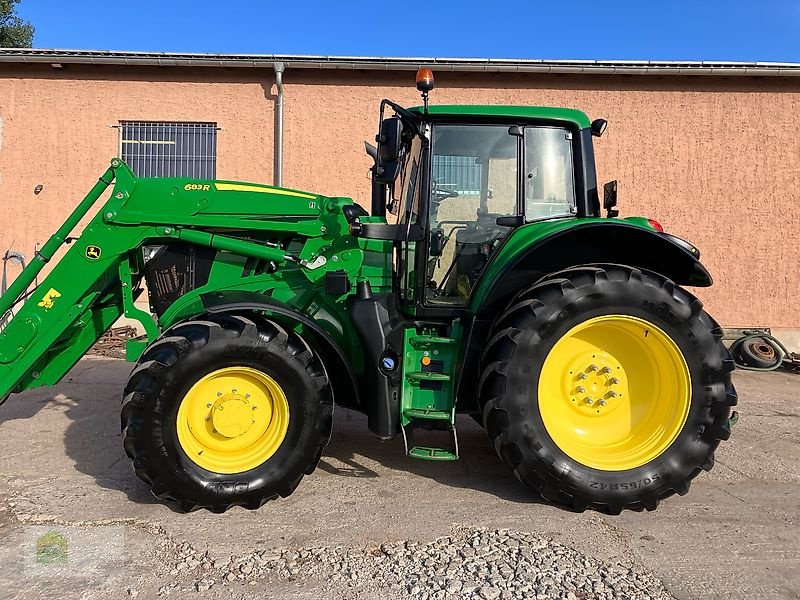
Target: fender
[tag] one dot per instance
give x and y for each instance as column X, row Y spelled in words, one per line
column 342, row 378
column 534, row 250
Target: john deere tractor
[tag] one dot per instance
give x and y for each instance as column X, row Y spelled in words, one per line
column 485, row 281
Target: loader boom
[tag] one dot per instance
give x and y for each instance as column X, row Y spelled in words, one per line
column 97, row 280
column 80, row 298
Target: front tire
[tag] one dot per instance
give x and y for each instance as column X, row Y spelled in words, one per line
column 227, row 411
column 606, row 388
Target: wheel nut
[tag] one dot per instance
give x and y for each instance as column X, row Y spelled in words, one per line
column 582, row 376
column 593, row 368
column 601, row 402
column 605, row 370
column 614, row 381
column 588, row 400
column 612, row 395
column 219, row 394
column 233, row 391
column 208, row 405
column 580, row 389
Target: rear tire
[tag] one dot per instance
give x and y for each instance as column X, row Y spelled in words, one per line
column 193, row 352
column 565, row 462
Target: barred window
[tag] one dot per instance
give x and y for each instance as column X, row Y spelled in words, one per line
column 460, row 174
column 159, row 149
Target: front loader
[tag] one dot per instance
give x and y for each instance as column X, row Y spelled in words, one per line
column 484, row 282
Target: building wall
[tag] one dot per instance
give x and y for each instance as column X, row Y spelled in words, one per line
column 59, row 131
column 716, row 160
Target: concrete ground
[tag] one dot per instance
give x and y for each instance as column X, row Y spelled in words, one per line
column 66, row 484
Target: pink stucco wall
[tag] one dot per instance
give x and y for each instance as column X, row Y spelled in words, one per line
column 716, row 160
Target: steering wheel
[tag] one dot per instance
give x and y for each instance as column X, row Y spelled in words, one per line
column 442, row 194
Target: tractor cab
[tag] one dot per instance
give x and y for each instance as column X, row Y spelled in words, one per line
column 455, row 181
column 451, row 186
column 474, row 199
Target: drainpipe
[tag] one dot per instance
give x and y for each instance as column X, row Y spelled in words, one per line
column 279, row 66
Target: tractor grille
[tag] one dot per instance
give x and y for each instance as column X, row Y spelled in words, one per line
column 174, row 271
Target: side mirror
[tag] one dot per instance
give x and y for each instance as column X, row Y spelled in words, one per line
column 610, row 198
column 388, row 151
column 437, row 242
column 386, row 172
column 389, row 139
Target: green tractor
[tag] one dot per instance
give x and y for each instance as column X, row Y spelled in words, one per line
column 485, row 281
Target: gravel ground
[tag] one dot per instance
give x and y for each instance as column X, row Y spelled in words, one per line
column 471, row 563
column 372, row 524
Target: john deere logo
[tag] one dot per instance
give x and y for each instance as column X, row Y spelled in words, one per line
column 93, row 252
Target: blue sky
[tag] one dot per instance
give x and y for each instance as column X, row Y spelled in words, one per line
column 766, row 30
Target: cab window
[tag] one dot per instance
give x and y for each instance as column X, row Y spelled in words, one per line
column 474, row 181
column 549, row 178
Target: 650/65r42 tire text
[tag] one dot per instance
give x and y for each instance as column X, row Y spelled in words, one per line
column 227, row 411
column 606, row 387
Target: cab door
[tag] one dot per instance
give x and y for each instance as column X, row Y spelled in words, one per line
column 475, row 173
column 405, row 207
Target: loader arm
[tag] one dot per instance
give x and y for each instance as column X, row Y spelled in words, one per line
column 97, row 280
column 89, row 288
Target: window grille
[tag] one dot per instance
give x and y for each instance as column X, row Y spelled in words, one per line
column 159, row 149
column 457, row 173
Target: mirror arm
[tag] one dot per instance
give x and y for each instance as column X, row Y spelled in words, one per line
column 378, row 199
column 408, row 116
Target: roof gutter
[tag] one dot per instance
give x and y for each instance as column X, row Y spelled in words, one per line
column 388, row 64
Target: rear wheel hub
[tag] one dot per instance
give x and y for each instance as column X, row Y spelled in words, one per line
column 614, row 392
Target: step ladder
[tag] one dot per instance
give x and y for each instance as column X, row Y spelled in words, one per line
column 427, row 390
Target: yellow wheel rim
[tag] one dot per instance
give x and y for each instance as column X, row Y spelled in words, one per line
column 614, row 392
column 233, row 420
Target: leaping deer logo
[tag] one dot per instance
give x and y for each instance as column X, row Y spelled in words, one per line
column 93, row 252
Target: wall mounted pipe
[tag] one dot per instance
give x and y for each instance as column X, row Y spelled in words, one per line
column 279, row 68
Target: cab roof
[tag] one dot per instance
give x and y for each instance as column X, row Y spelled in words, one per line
column 549, row 113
